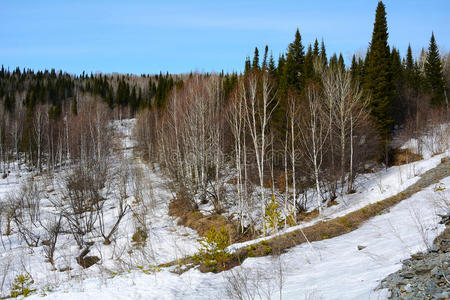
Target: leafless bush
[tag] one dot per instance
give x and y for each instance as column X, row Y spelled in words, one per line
column 25, row 212
column 120, row 204
column 5, row 267
column 421, row 227
column 81, row 201
column 441, row 198
column 429, row 129
column 52, row 226
column 144, row 201
column 255, row 283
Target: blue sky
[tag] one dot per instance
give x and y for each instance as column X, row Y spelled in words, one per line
column 180, row 36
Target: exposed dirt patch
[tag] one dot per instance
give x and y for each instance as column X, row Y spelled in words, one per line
column 193, row 218
column 398, row 157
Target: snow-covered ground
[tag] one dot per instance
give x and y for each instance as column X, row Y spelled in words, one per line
column 328, row 269
column 370, row 189
column 166, row 240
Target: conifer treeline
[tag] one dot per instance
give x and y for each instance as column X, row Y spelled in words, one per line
column 392, row 82
column 27, row 88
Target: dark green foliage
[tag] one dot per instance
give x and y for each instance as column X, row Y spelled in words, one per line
column 412, row 74
column 248, row 65
column 280, row 69
column 341, row 62
column 255, row 64
column 333, row 61
column 293, row 69
column 316, row 51
column 165, row 85
column 229, row 83
column 74, row 106
column 54, row 112
column 378, row 79
column 10, row 102
column 271, row 67
column 398, row 104
column 323, row 53
column 309, row 64
column 264, row 63
column 356, row 69
column 433, row 73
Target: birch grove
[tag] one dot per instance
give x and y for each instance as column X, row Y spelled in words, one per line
column 208, row 144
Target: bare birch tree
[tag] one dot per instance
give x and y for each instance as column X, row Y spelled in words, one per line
column 258, row 95
column 314, row 132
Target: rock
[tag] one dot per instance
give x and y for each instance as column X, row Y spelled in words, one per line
column 87, row 261
column 64, row 269
column 422, row 269
column 435, row 271
column 416, row 256
column 422, row 276
column 361, row 247
column 435, row 248
column 408, row 274
column 442, row 295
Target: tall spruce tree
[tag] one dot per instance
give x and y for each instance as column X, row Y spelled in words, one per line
column 341, row 62
column 248, row 65
column 434, row 75
column 271, row 66
column 354, row 69
column 378, row 80
column 255, row 64
column 316, row 51
column 323, row 53
column 412, row 72
column 409, row 63
column 398, row 103
column 309, row 64
column 264, row 63
column 293, row 73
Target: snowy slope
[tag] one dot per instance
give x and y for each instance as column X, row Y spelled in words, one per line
column 331, row 269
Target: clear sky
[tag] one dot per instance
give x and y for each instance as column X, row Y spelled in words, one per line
column 180, row 36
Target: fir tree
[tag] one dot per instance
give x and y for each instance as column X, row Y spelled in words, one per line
column 74, row 106
column 398, row 106
column 264, row 63
column 378, row 75
column 293, row 73
column 248, row 65
column 255, row 64
column 280, row 70
column 309, row 64
column 272, row 68
column 354, row 69
column 341, row 62
column 333, row 61
column 412, row 72
column 409, row 64
column 316, row 51
column 323, row 53
column 433, row 73
column 10, row 102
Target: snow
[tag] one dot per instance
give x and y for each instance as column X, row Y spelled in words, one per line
column 331, row 269
column 370, row 189
column 328, row 269
column 166, row 240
